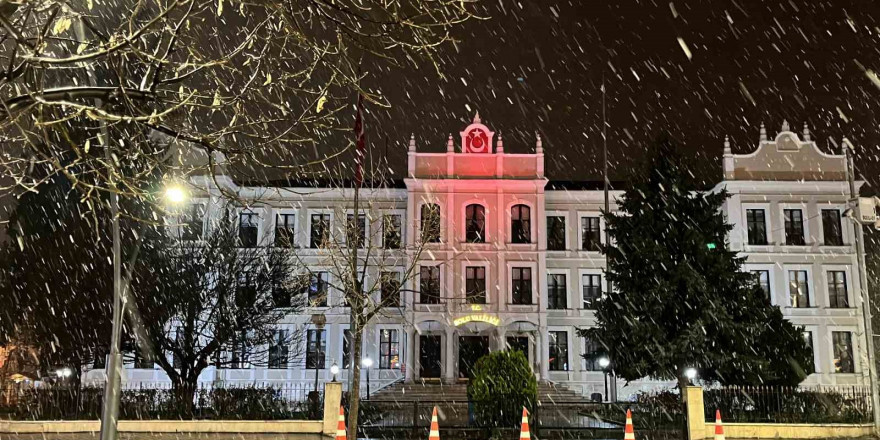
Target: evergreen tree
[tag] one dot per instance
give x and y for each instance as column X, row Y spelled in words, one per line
column 681, row 298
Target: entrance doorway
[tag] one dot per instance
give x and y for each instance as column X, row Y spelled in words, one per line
column 470, row 350
column 518, row 343
column 429, row 356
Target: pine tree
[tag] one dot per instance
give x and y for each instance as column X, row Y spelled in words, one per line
column 681, row 298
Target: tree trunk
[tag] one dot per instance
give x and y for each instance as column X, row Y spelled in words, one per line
column 184, row 391
column 354, row 381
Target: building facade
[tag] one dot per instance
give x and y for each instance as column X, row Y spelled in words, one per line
column 490, row 254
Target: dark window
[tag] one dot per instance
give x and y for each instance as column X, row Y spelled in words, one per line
column 318, row 289
column 520, row 224
column 518, row 343
column 281, row 295
column 757, row 226
column 347, row 341
column 808, row 339
column 592, row 285
column 100, row 361
column 843, row 352
column 240, row 351
column 475, row 223
column 429, row 284
column 431, row 223
column 285, row 230
column 521, row 280
column 590, row 240
column 390, row 289
column 316, row 346
column 192, row 222
column 762, row 279
column 837, row 297
column 320, row 232
column 247, row 229
column 794, row 227
column 556, row 233
column 592, row 353
column 356, row 233
column 475, row 285
column 831, row 227
column 558, row 351
column 798, row 288
column 278, row 350
column 245, row 293
column 391, row 237
column 557, row 291
column 389, row 350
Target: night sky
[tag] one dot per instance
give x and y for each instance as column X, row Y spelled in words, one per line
column 538, row 65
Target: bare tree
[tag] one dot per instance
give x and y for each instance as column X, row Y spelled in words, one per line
column 217, row 301
column 253, row 80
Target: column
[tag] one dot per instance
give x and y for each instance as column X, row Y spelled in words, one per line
column 449, row 373
column 543, row 353
column 410, row 361
column 500, row 334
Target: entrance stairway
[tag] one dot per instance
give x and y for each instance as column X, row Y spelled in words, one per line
column 548, row 393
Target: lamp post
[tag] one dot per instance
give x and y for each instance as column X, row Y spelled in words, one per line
column 367, row 363
column 604, row 362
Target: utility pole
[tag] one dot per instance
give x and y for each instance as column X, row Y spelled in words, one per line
column 863, row 282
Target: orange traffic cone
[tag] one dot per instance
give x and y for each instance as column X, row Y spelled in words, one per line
column 628, row 432
column 340, row 427
column 524, row 427
column 435, row 427
column 719, row 428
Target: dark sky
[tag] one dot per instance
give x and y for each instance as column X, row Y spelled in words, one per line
column 538, row 65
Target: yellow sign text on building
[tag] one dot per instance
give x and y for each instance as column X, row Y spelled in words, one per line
column 482, row 317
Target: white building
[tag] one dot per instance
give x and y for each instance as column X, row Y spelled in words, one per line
column 515, row 264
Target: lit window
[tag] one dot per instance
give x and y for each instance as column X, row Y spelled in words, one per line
column 558, row 351
column 389, row 350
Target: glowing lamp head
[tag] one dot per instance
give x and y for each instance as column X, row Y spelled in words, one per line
column 175, row 194
column 604, row 362
column 367, row 362
column 690, row 373
column 334, row 369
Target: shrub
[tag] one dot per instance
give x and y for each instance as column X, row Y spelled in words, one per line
column 502, row 384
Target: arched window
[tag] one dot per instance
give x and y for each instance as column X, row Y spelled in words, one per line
column 475, row 223
column 431, row 223
column 520, row 224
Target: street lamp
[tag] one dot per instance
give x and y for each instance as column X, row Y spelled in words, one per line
column 367, row 363
column 334, row 370
column 690, row 374
column 175, row 193
column 604, row 362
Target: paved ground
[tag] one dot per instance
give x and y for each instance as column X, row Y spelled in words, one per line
column 182, row 436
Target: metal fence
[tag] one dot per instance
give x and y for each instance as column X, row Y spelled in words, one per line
column 162, row 401
column 789, row 404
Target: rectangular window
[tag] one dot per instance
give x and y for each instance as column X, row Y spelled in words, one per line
column 808, row 339
column 430, row 223
column 356, row 232
column 843, row 352
column 558, row 351
column 475, row 285
column 557, row 291
column 757, row 226
column 762, row 279
column 320, row 232
column 239, row 352
column 318, row 283
column 592, row 285
column 389, row 350
column 556, row 233
column 518, row 343
column 590, row 239
column 281, row 295
column 316, row 347
column 391, row 235
column 193, row 222
column 347, row 343
column 248, row 229
column 831, row 228
column 100, row 361
column 521, row 281
column 278, row 350
column 245, row 293
column 592, row 353
column 794, row 227
column 285, row 230
column 390, row 289
column 520, row 224
column 429, row 284
column 837, row 297
column 798, row 288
